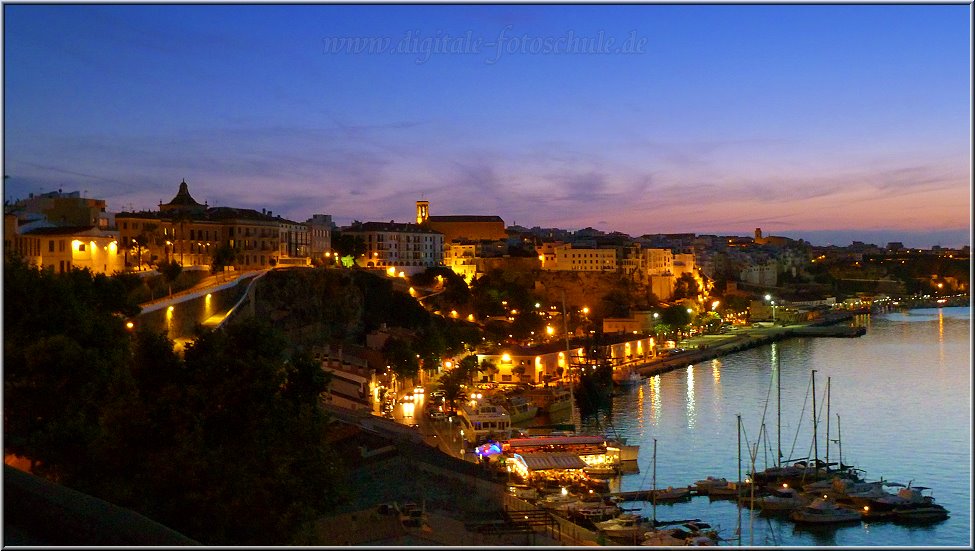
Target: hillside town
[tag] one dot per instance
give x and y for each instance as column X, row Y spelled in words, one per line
column 453, row 340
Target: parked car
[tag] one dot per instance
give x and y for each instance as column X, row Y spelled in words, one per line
column 437, row 415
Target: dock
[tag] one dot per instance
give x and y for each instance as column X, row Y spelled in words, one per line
column 753, row 337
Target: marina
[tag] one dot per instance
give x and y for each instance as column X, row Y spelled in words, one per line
column 838, row 484
column 903, row 358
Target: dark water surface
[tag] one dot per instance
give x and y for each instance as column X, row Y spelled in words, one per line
column 902, row 392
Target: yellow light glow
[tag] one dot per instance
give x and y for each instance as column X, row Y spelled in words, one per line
column 453, row 313
column 470, row 317
column 391, row 271
column 129, row 325
column 585, row 310
column 549, row 329
column 506, row 358
column 448, row 364
column 402, row 274
column 76, row 245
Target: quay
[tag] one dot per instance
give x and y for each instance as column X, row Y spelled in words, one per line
column 708, row 347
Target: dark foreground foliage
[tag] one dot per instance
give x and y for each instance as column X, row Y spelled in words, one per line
column 226, row 446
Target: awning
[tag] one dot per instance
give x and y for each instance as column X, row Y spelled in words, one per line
column 555, row 441
column 556, row 460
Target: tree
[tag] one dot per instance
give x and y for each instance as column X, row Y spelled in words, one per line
column 351, row 246
column 401, row 358
column 686, row 287
column 170, row 271
column 223, row 255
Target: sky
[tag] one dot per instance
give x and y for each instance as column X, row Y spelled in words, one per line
column 831, row 123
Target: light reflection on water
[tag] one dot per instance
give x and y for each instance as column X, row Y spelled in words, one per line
column 902, row 391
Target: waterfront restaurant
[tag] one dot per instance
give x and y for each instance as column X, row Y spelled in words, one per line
column 593, row 451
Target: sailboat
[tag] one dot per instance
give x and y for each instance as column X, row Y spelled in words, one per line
column 802, row 471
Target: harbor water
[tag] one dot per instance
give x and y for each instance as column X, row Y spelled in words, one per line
column 902, row 393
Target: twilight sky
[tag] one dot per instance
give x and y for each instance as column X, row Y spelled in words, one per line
column 831, row 123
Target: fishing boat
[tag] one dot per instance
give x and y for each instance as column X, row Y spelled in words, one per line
column 824, row 511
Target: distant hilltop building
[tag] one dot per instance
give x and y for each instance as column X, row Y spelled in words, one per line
column 773, row 240
column 463, row 227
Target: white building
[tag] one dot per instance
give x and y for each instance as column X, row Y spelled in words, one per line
column 409, row 248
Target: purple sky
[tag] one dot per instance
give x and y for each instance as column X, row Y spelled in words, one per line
column 832, row 123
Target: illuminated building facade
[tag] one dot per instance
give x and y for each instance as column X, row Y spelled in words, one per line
column 406, row 247
column 61, row 249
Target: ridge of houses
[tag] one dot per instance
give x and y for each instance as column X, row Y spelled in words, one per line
column 61, row 231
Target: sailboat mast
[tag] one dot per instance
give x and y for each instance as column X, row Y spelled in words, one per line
column 827, row 422
column 815, row 435
column 839, row 437
column 653, row 494
column 738, row 488
column 568, row 364
column 778, row 408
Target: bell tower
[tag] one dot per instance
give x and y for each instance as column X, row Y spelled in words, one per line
column 422, row 211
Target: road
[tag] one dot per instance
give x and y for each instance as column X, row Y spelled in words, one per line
column 444, row 434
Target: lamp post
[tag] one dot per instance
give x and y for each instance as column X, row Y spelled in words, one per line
column 772, row 302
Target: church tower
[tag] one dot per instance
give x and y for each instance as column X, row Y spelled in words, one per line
column 422, row 211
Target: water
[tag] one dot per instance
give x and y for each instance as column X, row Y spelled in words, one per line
column 903, row 394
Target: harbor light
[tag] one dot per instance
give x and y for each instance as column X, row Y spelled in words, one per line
column 129, row 325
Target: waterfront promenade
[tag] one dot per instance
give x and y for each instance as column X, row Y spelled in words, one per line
column 705, row 347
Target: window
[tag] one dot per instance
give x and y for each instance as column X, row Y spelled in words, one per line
column 125, row 225
column 50, row 246
column 61, row 246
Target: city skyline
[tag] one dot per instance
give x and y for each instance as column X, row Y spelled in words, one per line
column 828, row 123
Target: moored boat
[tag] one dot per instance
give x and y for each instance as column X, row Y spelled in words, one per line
column 704, row 486
column 519, row 408
column 823, row 511
column 781, row 500
column 550, row 399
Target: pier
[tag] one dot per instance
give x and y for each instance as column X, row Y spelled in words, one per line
column 708, row 347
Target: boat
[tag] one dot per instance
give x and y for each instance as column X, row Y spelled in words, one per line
column 704, row 486
column 781, row 499
column 730, row 490
column 663, row 538
column 519, row 408
column 628, row 378
column 593, row 511
column 550, row 399
column 484, row 421
column 670, row 494
column 919, row 512
column 909, row 505
column 626, row 525
column 823, row 511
